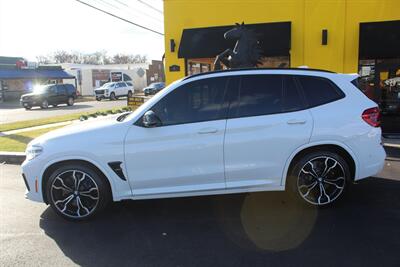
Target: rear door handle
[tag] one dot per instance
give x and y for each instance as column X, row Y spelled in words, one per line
column 207, row 131
column 296, row 121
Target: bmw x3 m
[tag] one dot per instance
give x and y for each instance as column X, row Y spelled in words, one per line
column 311, row 132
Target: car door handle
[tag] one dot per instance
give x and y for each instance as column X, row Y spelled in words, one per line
column 296, row 121
column 207, row 131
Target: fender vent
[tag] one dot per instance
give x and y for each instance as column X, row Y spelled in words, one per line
column 116, row 167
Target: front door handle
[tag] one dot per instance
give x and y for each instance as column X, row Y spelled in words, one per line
column 207, row 131
column 296, row 121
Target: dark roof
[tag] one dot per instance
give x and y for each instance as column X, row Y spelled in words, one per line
column 9, row 60
column 8, row 74
column 233, row 70
column 208, row 42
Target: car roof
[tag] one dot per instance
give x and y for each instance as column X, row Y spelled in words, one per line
column 261, row 70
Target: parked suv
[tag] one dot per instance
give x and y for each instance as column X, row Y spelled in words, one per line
column 52, row 94
column 307, row 131
column 153, row 88
column 114, row 90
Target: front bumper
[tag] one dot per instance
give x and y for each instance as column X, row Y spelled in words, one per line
column 26, row 103
column 33, row 180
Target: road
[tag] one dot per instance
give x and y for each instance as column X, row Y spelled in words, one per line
column 13, row 114
column 260, row 229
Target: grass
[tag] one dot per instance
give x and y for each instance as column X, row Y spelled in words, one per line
column 18, row 142
column 37, row 122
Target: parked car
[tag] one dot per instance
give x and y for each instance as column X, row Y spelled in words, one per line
column 52, row 94
column 153, row 88
column 310, row 132
column 113, row 90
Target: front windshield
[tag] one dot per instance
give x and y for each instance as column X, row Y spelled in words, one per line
column 151, row 102
column 107, row 85
column 40, row 88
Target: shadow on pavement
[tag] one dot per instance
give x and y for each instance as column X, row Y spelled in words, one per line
column 258, row 229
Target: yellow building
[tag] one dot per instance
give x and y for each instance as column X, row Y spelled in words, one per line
column 345, row 36
column 342, row 20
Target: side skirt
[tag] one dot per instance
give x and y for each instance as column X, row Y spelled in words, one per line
column 210, row 192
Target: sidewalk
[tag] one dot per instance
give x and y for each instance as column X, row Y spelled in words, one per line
column 35, row 128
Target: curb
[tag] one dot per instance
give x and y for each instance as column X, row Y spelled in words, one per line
column 12, row 157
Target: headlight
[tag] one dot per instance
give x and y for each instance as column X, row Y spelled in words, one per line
column 33, row 151
column 106, row 91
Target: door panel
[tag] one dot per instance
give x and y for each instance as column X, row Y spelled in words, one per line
column 267, row 122
column 257, row 148
column 176, row 158
column 185, row 151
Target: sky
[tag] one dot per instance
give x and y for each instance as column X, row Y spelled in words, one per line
column 29, row 28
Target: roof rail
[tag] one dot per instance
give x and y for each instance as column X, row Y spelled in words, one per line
column 233, row 70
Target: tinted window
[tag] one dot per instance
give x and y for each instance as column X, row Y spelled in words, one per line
column 193, row 102
column 129, row 83
column 260, row 95
column 318, row 91
column 120, row 85
column 292, row 100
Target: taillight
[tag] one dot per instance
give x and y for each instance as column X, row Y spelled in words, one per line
column 372, row 116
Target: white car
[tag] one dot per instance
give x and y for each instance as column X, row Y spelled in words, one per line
column 113, row 90
column 309, row 131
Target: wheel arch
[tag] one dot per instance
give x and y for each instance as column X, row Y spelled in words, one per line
column 51, row 167
column 335, row 147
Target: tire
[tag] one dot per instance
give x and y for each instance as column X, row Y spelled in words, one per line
column 28, row 107
column 112, row 96
column 70, row 101
column 44, row 104
column 55, row 105
column 76, row 192
column 130, row 94
column 319, row 178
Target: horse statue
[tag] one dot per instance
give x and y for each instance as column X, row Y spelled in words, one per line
column 246, row 53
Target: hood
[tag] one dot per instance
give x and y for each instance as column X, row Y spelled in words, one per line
column 30, row 94
column 84, row 128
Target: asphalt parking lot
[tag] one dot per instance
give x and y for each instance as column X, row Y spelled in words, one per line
column 14, row 113
column 260, row 229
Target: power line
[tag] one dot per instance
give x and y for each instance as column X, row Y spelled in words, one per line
column 130, row 8
column 150, row 6
column 115, row 16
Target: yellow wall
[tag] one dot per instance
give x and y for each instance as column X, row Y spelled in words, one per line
column 340, row 17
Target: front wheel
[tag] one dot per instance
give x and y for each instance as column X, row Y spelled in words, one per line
column 320, row 178
column 70, row 101
column 77, row 192
column 112, row 96
column 130, row 94
column 44, row 104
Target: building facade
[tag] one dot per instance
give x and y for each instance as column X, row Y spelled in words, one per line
column 346, row 36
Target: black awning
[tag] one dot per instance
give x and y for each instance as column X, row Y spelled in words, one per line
column 208, row 42
column 379, row 40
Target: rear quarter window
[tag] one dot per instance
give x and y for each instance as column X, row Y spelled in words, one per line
column 319, row 91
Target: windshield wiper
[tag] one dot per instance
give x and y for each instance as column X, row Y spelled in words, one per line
column 123, row 116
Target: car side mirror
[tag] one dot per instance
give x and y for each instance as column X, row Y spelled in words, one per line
column 150, row 119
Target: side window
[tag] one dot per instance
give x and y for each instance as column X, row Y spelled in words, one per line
column 292, row 100
column 119, row 85
column 260, row 95
column 318, row 90
column 197, row 101
column 52, row 89
column 129, row 83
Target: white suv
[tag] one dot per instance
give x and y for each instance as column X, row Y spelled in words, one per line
column 113, row 90
column 309, row 131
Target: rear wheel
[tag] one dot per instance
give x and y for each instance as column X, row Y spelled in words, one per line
column 320, row 178
column 77, row 192
column 44, row 104
column 70, row 101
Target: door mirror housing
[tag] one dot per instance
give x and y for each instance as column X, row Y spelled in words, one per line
column 150, row 119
